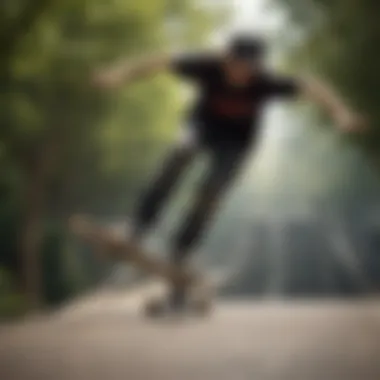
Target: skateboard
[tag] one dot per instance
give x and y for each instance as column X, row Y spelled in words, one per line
column 199, row 292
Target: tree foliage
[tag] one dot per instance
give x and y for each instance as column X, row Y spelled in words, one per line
column 340, row 39
column 64, row 145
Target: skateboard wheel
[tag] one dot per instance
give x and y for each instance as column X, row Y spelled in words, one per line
column 202, row 306
column 155, row 308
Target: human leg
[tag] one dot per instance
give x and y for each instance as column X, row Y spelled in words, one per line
column 153, row 200
column 224, row 168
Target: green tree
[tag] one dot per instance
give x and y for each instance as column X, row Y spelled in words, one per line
column 339, row 40
column 64, row 145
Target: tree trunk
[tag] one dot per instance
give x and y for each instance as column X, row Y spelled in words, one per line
column 32, row 230
column 31, row 239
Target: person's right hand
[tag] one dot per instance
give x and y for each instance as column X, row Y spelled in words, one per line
column 108, row 79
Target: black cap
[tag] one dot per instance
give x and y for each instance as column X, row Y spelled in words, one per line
column 247, row 47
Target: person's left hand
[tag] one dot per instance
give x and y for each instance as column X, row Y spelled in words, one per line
column 351, row 122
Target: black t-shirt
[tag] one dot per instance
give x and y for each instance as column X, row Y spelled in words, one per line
column 225, row 113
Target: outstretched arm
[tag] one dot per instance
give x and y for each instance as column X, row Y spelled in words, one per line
column 127, row 71
column 322, row 94
column 191, row 66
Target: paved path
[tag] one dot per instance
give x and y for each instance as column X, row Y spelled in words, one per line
column 104, row 338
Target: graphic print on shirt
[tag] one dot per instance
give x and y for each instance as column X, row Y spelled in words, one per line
column 231, row 106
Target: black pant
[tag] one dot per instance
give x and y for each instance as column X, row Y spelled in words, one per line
column 224, row 164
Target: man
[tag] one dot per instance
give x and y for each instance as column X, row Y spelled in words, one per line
column 233, row 89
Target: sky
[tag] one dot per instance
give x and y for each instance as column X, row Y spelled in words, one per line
column 256, row 16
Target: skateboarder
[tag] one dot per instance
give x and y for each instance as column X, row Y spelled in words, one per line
column 234, row 86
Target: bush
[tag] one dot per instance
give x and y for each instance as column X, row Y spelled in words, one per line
column 12, row 305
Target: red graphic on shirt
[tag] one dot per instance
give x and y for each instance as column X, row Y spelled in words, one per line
column 232, row 107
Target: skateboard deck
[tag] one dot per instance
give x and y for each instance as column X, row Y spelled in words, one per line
column 200, row 293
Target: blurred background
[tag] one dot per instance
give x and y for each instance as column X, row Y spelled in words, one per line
column 303, row 221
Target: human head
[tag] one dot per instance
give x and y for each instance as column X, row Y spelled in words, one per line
column 244, row 57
